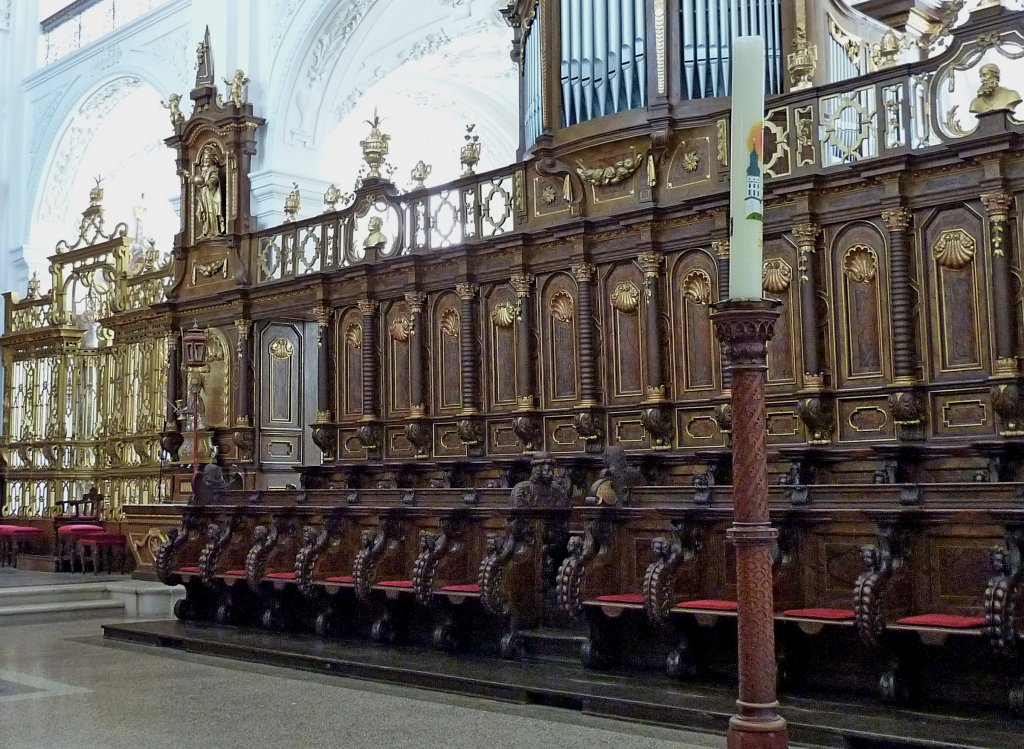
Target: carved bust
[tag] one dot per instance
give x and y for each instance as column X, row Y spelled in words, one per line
column 991, row 96
column 376, row 237
column 541, row 489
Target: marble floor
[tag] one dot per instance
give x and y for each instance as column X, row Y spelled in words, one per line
column 63, row 687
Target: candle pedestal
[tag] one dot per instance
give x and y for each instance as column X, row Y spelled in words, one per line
column 744, row 328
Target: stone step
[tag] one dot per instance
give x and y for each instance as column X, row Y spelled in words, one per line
column 553, row 645
column 35, row 613
column 35, row 594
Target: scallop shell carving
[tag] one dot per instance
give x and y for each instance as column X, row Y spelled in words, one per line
column 954, row 249
column 776, row 276
column 354, row 335
column 450, row 322
column 281, row 348
column 697, row 287
column 562, row 306
column 401, row 329
column 860, row 264
column 504, row 315
column 626, row 298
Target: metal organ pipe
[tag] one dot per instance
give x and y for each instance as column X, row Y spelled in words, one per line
column 533, row 92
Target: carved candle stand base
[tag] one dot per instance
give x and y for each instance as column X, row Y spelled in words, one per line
column 744, row 329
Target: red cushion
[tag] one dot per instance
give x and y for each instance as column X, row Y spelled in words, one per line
column 80, row 528
column 344, row 579
column 471, row 588
column 711, row 604
column 18, row 530
column 636, row 598
column 953, row 621
column 395, row 584
column 280, row 575
column 104, row 538
column 190, row 570
column 234, row 573
column 833, row 614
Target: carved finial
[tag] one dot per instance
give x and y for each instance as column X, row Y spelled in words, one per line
column 331, row 198
column 33, row 287
column 375, row 147
column 204, row 61
column 292, row 203
column 420, row 172
column 469, row 156
column 96, row 193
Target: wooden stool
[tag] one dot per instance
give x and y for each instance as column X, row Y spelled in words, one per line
column 67, row 543
column 104, row 549
column 17, row 538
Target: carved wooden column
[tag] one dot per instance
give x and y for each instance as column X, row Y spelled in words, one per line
column 171, row 438
column 369, row 432
column 998, row 205
column 588, row 422
column 806, row 236
column 656, row 417
column 245, row 437
column 721, row 249
column 744, row 328
column 471, row 427
column 527, row 425
column 324, row 435
column 417, row 431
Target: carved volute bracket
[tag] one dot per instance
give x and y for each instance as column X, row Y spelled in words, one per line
column 589, row 425
column 908, row 409
column 659, row 421
column 1008, row 403
column 419, row 433
column 818, row 415
column 472, row 433
column 530, row 431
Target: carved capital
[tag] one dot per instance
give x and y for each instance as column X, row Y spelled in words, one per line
column 322, row 315
column 466, row 291
column 897, row 219
column 173, row 341
column 583, row 272
column 721, row 248
column 744, row 328
column 522, row 282
column 806, row 235
column 415, row 300
column 367, row 307
column 997, row 203
column 242, row 326
column 650, row 263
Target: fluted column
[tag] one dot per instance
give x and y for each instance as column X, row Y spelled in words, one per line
column 998, row 205
column 417, row 405
column 470, row 356
column 904, row 340
column 584, row 275
column 526, row 369
column 806, row 236
column 650, row 263
column 368, row 308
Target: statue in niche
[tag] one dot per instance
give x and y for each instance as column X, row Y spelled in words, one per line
column 208, row 195
column 235, row 88
column 991, row 96
column 376, row 238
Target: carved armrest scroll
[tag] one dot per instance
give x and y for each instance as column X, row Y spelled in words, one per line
column 682, row 545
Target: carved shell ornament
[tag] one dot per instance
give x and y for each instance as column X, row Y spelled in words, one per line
column 281, row 348
column 861, row 264
column 626, row 298
column 562, row 306
column 697, row 287
column 776, row 276
column 954, row 249
column 450, row 322
column 354, row 335
column 620, row 171
column 401, row 329
column 504, row 315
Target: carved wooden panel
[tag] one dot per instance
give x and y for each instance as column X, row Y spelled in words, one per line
column 865, row 420
column 624, row 313
column 349, row 371
column 398, row 333
column 861, row 304
column 282, row 419
column 561, row 436
column 447, row 443
column 396, row 444
column 831, row 563
column 558, row 320
column 780, row 281
column 956, row 268
column 446, row 372
column 502, row 330
column 698, row 427
column 952, row 568
column 693, row 286
column 628, row 432
column 961, row 413
column 502, row 439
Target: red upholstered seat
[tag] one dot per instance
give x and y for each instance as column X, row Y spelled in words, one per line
column 234, row 573
column 105, row 538
column 343, row 579
column 18, row 530
column 190, row 570
column 79, row 528
column 471, row 588
column 953, row 621
column 830, row 614
column 280, row 576
column 395, row 584
column 636, row 598
column 710, row 604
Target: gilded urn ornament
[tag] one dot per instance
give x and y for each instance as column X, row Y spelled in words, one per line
column 375, row 147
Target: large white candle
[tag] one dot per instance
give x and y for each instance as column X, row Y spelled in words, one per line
column 746, row 203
